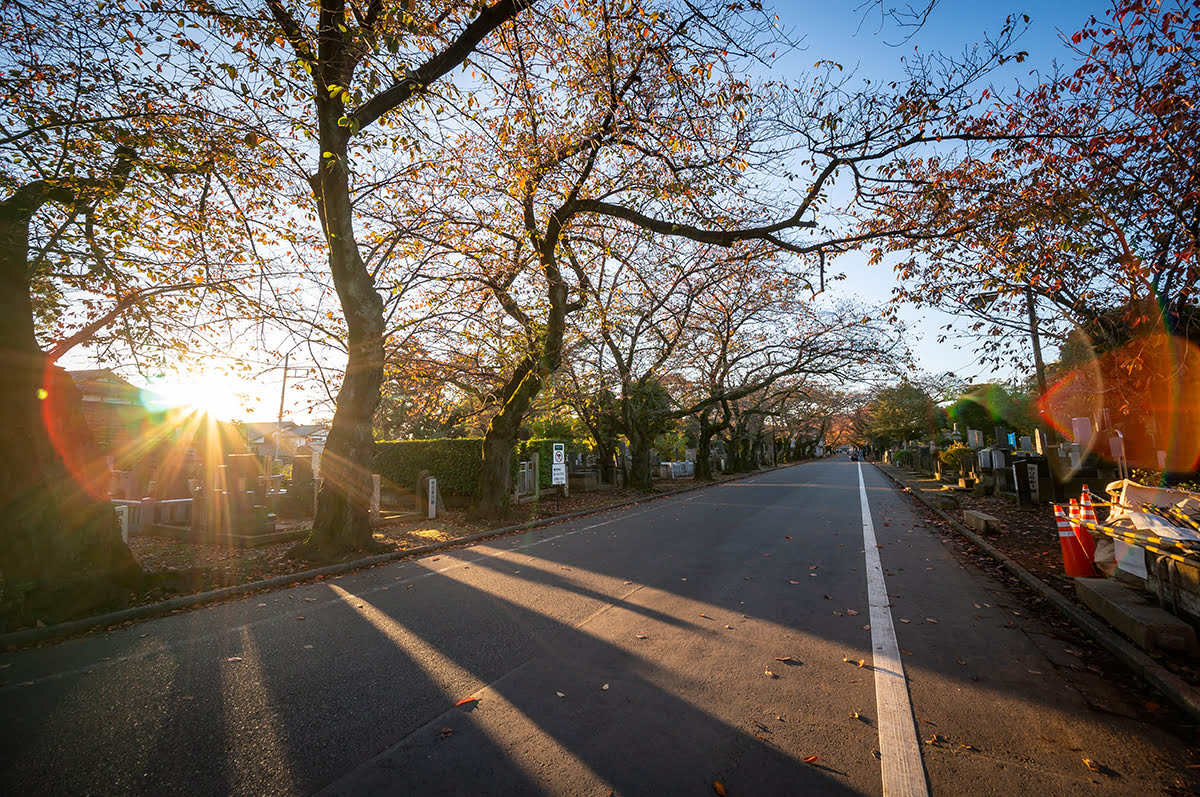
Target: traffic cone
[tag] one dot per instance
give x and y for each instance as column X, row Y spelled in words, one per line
column 1075, row 561
column 1087, row 513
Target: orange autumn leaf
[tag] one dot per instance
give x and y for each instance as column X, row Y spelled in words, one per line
column 719, row 788
column 467, row 700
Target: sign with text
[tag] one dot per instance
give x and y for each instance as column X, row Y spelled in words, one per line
column 558, row 464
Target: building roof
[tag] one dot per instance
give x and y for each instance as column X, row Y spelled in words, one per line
column 103, row 384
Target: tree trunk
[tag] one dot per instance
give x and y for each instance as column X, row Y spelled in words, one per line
column 708, row 431
column 60, row 547
column 522, row 388
column 495, row 479
column 639, row 460
column 342, row 523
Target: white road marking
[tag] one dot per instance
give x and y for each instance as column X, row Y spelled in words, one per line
column 900, row 754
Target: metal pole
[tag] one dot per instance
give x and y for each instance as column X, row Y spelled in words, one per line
column 282, row 390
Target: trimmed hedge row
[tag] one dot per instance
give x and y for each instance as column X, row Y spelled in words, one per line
column 455, row 463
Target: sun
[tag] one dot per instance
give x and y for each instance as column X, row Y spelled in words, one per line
column 205, row 393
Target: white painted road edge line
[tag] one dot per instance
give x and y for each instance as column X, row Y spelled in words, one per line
column 900, row 754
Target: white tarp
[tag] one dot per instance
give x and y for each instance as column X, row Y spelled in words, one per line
column 1130, row 497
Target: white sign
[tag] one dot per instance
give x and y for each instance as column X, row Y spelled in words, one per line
column 432, row 498
column 558, row 464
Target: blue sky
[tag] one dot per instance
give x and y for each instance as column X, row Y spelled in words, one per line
column 837, row 32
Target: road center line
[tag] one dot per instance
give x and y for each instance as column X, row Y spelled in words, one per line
column 900, row 755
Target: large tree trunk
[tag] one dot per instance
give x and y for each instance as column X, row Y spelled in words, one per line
column 342, row 523
column 639, row 459
column 495, row 479
column 61, row 552
column 708, row 430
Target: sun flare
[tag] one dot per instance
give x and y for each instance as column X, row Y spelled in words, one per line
column 210, row 394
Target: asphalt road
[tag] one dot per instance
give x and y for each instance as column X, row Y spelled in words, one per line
column 635, row 652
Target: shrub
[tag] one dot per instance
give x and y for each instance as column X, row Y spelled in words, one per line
column 455, row 463
column 954, row 455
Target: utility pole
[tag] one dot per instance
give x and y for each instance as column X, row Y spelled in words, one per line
column 282, row 390
column 1039, row 365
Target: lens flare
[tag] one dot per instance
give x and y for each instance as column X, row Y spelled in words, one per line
column 1149, row 389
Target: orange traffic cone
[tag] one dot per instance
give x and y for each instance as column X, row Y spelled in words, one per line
column 1087, row 513
column 1075, row 561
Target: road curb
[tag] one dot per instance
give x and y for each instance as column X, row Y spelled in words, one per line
column 18, row 639
column 1170, row 685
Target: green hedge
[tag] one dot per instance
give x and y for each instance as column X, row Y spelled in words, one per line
column 455, row 463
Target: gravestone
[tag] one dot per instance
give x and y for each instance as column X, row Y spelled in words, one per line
column 300, row 493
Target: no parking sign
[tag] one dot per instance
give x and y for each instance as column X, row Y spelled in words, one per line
column 558, row 464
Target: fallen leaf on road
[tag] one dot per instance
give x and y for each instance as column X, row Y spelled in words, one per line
column 642, row 636
column 851, row 612
column 905, row 620
column 308, row 647
column 867, row 627
column 446, row 731
column 234, row 658
column 793, row 582
column 188, row 697
column 1092, row 765
column 766, row 554
column 786, row 537
column 837, row 613
column 729, row 627
column 467, row 701
column 300, row 617
column 564, row 567
column 705, row 616
column 719, row 788
column 560, row 694
column 859, row 662
column 853, row 715
column 784, row 658
column 976, row 605
column 906, row 652
column 310, row 600
column 769, row 674
column 812, row 567
column 628, row 582
column 931, row 620
column 961, row 661
column 808, row 759
column 604, row 688
column 683, row 579
column 935, row 739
